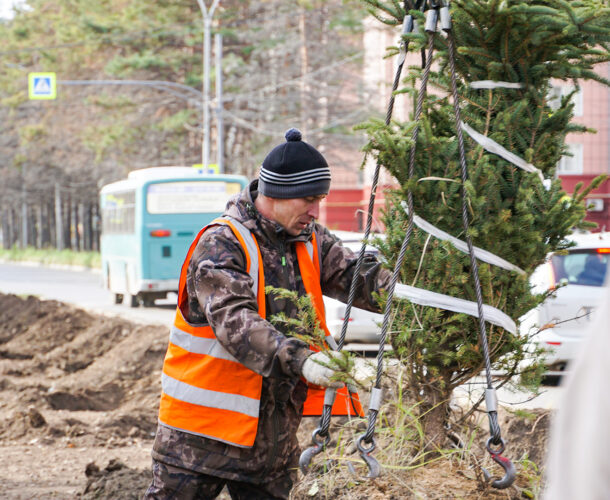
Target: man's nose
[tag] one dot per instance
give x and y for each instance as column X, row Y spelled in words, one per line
column 314, row 209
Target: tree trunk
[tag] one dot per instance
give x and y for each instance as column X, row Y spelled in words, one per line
column 47, row 226
column 74, row 230
column 96, row 225
column 433, row 395
column 59, row 230
column 86, row 221
column 12, row 225
column 321, row 116
column 32, row 229
column 67, row 224
column 80, row 227
column 24, row 216
column 4, row 228
column 435, row 412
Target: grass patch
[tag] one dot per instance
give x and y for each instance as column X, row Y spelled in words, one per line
column 410, row 469
column 51, row 256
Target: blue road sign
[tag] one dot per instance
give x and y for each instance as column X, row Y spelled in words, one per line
column 42, row 86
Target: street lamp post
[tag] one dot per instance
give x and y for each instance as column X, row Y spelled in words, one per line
column 207, row 25
column 219, row 124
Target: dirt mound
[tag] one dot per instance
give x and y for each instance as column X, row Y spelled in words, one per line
column 115, row 482
column 78, row 390
column 529, row 434
column 72, row 382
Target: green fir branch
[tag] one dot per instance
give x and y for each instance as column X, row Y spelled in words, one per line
column 305, row 327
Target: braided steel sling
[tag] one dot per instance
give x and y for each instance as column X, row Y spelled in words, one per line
column 491, row 401
column 376, row 392
column 321, row 436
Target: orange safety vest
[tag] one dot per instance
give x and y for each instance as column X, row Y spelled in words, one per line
column 206, row 391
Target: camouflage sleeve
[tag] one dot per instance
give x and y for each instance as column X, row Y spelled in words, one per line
column 338, row 266
column 220, row 294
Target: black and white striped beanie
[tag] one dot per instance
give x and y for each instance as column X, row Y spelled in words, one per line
column 294, row 169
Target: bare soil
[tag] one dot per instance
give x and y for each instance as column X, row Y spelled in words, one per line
column 78, row 408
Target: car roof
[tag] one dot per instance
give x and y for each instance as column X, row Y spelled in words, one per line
column 353, row 240
column 590, row 240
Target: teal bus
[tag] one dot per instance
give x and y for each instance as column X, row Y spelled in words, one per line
column 148, row 222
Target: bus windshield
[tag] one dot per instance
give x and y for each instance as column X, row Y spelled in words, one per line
column 189, row 197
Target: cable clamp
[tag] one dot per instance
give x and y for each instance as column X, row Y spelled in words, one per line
column 445, row 18
column 375, row 402
column 491, row 400
column 431, row 20
column 329, row 397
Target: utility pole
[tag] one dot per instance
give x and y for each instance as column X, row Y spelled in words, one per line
column 207, row 26
column 219, row 124
column 59, row 222
column 24, row 209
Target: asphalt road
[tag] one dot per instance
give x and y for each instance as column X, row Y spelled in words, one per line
column 83, row 288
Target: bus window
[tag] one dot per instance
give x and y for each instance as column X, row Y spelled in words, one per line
column 189, row 197
column 118, row 212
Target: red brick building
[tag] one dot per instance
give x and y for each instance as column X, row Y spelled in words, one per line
column 590, row 152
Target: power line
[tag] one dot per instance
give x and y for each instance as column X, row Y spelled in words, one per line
column 349, row 117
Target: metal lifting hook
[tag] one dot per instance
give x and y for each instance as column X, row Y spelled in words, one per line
column 505, row 463
column 365, row 454
column 312, row 451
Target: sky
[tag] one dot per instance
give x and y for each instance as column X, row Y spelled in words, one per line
column 5, row 7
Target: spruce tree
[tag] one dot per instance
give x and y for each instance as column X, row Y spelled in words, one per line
column 512, row 213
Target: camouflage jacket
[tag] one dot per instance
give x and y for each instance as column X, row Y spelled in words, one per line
column 219, row 292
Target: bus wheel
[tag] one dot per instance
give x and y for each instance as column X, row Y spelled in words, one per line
column 131, row 300
column 118, row 298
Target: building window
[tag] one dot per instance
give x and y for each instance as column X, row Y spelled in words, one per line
column 571, row 163
column 556, row 92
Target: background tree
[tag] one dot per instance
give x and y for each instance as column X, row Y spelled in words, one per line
column 512, row 214
column 280, row 70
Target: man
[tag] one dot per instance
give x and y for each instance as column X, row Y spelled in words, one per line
column 234, row 386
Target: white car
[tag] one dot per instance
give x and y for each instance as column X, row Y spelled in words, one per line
column 578, row 278
column 364, row 327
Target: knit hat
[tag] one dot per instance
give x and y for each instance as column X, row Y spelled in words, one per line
column 294, row 170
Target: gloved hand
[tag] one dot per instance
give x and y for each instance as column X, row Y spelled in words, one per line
column 316, row 373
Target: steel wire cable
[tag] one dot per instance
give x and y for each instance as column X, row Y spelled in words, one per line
column 327, row 410
column 369, row 218
column 325, row 420
column 368, row 437
column 493, row 418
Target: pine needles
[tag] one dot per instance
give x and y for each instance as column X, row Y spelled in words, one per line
column 305, row 327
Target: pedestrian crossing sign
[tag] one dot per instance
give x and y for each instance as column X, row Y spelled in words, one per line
column 42, row 86
column 212, row 168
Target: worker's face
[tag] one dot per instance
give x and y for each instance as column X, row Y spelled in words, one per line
column 295, row 214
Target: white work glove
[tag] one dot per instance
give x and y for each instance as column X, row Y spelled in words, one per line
column 315, row 371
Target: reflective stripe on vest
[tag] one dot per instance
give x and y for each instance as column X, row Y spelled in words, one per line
column 206, row 391
column 222, row 401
